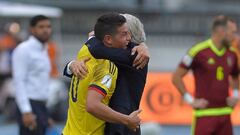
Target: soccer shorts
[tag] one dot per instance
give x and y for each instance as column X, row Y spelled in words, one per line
column 213, row 125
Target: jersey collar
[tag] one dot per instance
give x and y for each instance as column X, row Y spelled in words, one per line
column 215, row 49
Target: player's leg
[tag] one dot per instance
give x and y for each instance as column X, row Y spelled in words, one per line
column 203, row 126
column 224, row 126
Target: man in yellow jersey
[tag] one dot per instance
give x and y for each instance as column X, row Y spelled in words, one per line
column 89, row 97
column 213, row 61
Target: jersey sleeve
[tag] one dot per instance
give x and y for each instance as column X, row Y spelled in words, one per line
column 187, row 60
column 103, row 79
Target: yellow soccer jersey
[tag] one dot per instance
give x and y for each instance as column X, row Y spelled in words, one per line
column 102, row 78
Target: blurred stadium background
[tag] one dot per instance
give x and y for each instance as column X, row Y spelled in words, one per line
column 172, row 26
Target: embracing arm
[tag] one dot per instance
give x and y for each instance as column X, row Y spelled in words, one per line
column 99, row 51
column 138, row 57
column 104, row 112
column 77, row 68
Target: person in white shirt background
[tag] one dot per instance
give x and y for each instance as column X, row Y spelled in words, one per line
column 31, row 74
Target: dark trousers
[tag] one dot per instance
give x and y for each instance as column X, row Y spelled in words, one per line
column 120, row 129
column 40, row 110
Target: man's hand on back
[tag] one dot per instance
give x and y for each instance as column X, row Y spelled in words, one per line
column 142, row 57
column 78, row 68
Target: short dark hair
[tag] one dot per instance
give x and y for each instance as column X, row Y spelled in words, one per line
column 221, row 21
column 107, row 24
column 36, row 19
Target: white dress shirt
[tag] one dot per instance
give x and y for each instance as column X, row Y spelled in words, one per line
column 31, row 73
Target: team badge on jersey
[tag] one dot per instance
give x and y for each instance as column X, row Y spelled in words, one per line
column 211, row 61
column 107, row 81
column 229, row 61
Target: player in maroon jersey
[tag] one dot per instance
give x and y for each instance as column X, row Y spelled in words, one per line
column 212, row 62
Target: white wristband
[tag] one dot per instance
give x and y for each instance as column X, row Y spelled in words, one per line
column 188, row 98
column 68, row 67
column 235, row 93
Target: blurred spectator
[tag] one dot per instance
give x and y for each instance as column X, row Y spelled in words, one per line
column 57, row 99
column 8, row 42
column 53, row 54
column 236, row 46
column 31, row 75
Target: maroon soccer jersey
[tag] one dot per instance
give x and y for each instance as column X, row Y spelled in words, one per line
column 211, row 68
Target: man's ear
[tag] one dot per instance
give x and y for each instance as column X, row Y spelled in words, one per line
column 108, row 39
